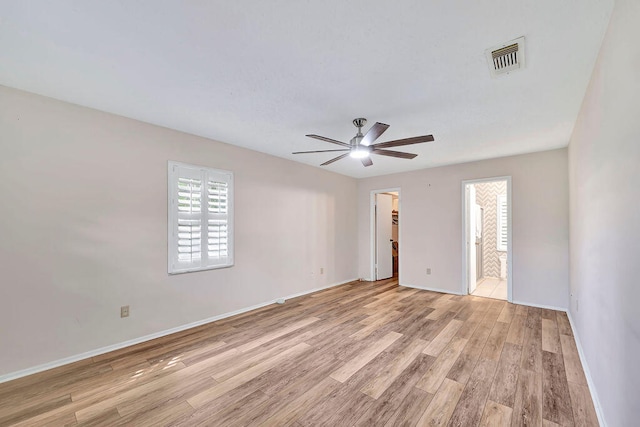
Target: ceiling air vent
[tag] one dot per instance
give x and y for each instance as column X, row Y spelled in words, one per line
column 506, row 57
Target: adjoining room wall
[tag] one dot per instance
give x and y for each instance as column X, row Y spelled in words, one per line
column 83, row 230
column 431, row 224
column 486, row 196
column 604, row 155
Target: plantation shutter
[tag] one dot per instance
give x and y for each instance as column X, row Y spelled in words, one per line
column 218, row 224
column 200, row 218
column 502, row 222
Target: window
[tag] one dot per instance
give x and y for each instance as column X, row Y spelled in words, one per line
column 502, row 222
column 200, row 218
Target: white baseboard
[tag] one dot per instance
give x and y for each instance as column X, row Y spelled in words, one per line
column 299, row 294
column 548, row 307
column 443, row 291
column 71, row 359
column 587, row 373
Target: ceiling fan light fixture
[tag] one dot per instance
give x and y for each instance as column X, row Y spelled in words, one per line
column 359, row 153
column 362, row 146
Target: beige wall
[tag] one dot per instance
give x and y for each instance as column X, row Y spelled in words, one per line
column 431, row 224
column 84, row 230
column 604, row 155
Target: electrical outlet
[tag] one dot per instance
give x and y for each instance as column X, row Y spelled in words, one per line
column 321, row 270
column 428, row 271
column 577, row 305
column 124, row 311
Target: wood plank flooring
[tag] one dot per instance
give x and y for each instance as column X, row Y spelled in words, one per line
column 364, row 353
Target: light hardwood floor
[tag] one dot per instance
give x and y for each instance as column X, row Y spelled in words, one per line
column 370, row 354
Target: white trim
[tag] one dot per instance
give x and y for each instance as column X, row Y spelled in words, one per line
column 548, row 307
column 587, row 373
column 372, row 229
column 424, row 288
column 176, row 170
column 465, row 253
column 321, row 288
column 75, row 358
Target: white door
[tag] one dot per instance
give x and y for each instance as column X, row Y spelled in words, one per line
column 471, row 235
column 384, row 256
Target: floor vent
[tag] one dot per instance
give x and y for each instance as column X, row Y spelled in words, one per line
column 506, row 57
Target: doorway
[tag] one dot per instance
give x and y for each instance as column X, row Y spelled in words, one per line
column 385, row 234
column 487, row 238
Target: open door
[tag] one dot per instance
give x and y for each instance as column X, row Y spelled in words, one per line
column 384, row 237
column 486, row 238
column 470, row 232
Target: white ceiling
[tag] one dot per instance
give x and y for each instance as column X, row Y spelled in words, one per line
column 262, row 74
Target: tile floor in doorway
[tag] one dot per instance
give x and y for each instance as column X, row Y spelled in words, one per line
column 491, row 287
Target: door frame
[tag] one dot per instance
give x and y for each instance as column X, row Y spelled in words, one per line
column 466, row 232
column 372, row 230
column 472, row 252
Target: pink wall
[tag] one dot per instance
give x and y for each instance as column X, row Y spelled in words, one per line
column 431, row 224
column 604, row 155
column 84, row 230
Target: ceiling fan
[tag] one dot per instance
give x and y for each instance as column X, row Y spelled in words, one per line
column 361, row 146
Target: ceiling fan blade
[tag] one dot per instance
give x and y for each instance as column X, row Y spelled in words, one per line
column 319, row 151
column 406, row 141
column 366, row 161
column 373, row 133
column 391, row 153
column 335, row 159
column 322, row 138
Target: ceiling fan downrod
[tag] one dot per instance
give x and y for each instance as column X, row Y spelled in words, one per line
column 359, row 123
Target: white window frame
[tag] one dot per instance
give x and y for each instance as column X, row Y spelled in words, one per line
column 501, row 202
column 178, row 170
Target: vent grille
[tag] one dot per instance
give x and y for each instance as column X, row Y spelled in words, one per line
column 506, row 57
